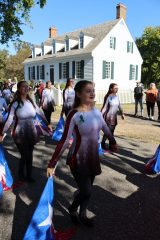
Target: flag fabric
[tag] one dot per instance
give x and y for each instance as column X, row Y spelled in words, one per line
column 100, row 150
column 41, row 227
column 41, row 127
column 6, row 179
column 4, row 115
column 153, row 165
column 57, row 135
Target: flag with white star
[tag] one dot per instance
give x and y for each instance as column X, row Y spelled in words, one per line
column 6, row 179
column 41, row 227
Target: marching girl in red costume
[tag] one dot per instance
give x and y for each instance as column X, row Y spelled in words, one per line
column 85, row 123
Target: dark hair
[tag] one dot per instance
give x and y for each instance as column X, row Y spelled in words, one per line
column 17, row 97
column 111, row 86
column 78, row 89
column 69, row 80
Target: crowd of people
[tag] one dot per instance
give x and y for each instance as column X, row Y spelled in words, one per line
column 152, row 96
column 83, row 123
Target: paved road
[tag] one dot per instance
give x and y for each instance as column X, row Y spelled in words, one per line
column 125, row 201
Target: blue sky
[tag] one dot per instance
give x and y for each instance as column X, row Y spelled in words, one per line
column 71, row 15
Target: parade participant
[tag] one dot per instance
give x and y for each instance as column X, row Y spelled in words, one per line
column 3, row 107
column 109, row 110
column 48, row 103
column 151, row 98
column 23, row 111
column 85, row 122
column 6, row 93
column 68, row 97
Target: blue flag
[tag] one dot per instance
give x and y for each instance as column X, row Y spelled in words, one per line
column 40, row 227
column 157, row 162
column 41, row 127
column 6, row 179
column 57, row 135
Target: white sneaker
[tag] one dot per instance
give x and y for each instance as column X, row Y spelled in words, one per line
column 152, row 118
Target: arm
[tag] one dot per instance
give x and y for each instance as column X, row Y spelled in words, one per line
column 5, row 106
column 40, row 113
column 105, row 106
column 107, row 132
column 121, row 111
column 9, row 119
column 64, row 143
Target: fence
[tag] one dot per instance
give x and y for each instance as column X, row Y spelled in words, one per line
column 125, row 96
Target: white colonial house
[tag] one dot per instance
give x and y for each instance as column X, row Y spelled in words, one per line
column 104, row 53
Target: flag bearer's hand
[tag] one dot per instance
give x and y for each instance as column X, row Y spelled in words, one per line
column 50, row 172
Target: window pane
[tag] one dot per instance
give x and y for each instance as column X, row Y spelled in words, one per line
column 64, row 67
column 108, row 70
column 78, row 69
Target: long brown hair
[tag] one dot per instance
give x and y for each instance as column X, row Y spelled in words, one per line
column 17, row 97
column 78, row 89
column 111, row 86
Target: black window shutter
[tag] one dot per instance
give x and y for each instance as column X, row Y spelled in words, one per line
column 33, row 73
column 29, row 73
column 43, row 76
column 82, row 69
column 60, row 70
column 73, row 69
column 37, row 72
column 67, row 69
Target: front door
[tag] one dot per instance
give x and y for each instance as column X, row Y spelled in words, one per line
column 52, row 74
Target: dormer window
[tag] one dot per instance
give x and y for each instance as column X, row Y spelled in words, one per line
column 81, row 40
column 54, row 46
column 67, row 43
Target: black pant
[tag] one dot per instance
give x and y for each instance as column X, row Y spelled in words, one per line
column 105, row 137
column 85, row 184
column 26, row 151
column 150, row 108
column 47, row 114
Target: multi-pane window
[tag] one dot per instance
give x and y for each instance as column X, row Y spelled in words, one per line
column 42, row 71
column 133, row 72
column 130, row 47
column 33, row 72
column 113, row 42
column 64, row 70
column 81, row 40
column 108, row 70
column 78, row 69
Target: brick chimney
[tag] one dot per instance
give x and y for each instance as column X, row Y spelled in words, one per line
column 121, row 11
column 52, row 32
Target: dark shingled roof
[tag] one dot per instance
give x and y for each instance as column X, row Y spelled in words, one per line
column 98, row 32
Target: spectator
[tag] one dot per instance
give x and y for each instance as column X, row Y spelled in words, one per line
column 138, row 96
column 151, row 98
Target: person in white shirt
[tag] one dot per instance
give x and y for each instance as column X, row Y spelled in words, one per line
column 47, row 102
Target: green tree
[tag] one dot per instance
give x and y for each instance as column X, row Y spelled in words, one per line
column 149, row 47
column 14, row 14
column 4, row 56
column 15, row 67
